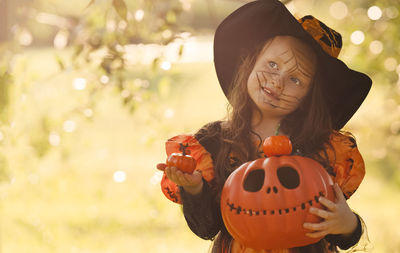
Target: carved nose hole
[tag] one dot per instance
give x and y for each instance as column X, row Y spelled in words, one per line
column 254, row 180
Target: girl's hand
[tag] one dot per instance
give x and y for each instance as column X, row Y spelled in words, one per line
column 338, row 218
column 192, row 183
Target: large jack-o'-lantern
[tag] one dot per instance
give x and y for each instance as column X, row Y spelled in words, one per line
column 264, row 203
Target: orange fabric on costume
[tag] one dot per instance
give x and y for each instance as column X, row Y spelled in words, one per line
column 347, row 163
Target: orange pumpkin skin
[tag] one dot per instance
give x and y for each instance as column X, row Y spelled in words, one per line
column 184, row 163
column 277, row 145
column 263, row 210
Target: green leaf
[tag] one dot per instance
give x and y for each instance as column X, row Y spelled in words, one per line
column 180, row 52
column 60, row 62
column 121, row 8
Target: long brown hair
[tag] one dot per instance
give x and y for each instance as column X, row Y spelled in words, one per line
column 309, row 128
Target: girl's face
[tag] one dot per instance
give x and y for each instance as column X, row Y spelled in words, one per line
column 282, row 76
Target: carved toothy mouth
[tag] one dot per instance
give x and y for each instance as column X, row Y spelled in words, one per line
column 239, row 210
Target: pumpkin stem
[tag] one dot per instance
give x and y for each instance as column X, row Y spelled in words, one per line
column 183, row 149
column 277, row 129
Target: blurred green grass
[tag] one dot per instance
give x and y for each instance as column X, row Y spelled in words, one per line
column 67, row 200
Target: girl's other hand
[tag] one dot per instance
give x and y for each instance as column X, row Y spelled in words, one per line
column 191, row 183
column 338, row 218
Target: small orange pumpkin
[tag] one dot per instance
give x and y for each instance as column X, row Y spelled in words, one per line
column 183, row 162
column 277, row 145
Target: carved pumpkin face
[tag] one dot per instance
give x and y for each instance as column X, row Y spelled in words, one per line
column 264, row 203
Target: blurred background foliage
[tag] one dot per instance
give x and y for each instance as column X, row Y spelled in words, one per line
column 90, row 90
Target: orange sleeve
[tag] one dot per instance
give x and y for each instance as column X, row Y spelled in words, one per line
column 347, row 162
column 203, row 159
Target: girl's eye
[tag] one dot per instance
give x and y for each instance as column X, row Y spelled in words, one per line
column 273, row 65
column 295, row 80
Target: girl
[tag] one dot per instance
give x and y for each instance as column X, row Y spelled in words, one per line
column 281, row 76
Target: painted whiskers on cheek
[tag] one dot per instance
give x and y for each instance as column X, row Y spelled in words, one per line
column 289, row 101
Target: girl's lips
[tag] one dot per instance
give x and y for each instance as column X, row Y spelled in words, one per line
column 270, row 93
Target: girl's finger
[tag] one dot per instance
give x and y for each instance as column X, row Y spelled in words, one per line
column 192, row 178
column 171, row 174
column 161, row 166
column 316, row 226
column 321, row 213
column 181, row 177
column 167, row 171
column 327, row 203
column 338, row 192
column 317, row 234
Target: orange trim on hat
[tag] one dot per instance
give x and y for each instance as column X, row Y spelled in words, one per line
column 327, row 38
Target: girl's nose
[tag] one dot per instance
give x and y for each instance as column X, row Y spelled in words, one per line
column 276, row 82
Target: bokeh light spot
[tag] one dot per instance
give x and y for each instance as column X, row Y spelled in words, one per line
column 139, row 15
column 79, row 83
column 88, row 112
column 61, row 39
column 376, row 47
column 169, row 113
column 166, row 65
column 119, row 176
column 392, row 12
column 338, row 10
column 54, row 139
column 390, row 64
column 186, row 5
column 166, row 34
column 104, row 79
column 69, row 126
column 357, row 37
column 374, row 13
column 25, row 38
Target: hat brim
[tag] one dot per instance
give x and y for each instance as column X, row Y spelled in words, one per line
column 254, row 23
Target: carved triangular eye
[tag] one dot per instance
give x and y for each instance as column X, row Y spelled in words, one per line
column 288, row 177
column 254, row 180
